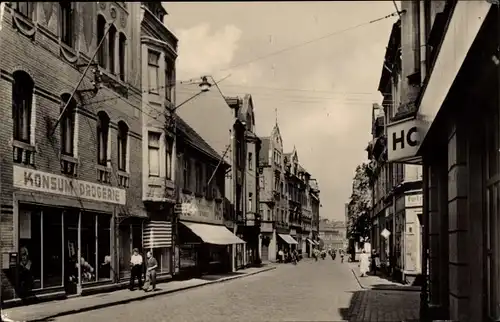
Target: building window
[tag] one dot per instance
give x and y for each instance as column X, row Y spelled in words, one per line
column 250, row 161
column 111, row 49
column 102, row 138
column 22, row 95
column 250, row 201
column 122, row 45
column 169, row 158
column 186, row 172
column 66, row 23
column 199, row 178
column 154, row 153
column 153, row 66
column 122, row 146
column 68, row 125
column 25, row 9
column 101, row 32
column 169, row 79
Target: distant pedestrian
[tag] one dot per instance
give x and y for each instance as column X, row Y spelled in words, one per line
column 364, row 263
column 281, row 256
column 152, row 264
column 136, row 263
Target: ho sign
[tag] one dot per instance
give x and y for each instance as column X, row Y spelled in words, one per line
column 403, row 140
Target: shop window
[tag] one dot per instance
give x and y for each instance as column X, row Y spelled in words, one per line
column 22, row 95
column 88, row 244
column 122, row 45
column 102, row 138
column 154, row 154
column 66, row 23
column 52, row 247
column 103, row 247
column 30, row 250
column 163, row 257
column 187, row 256
column 101, row 32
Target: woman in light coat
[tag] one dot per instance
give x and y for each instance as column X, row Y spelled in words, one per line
column 364, row 263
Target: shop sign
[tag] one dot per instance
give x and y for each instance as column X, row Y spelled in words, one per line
column 293, row 232
column 25, row 178
column 414, row 200
column 199, row 209
column 403, row 140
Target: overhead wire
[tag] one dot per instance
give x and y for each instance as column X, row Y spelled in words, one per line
column 289, row 48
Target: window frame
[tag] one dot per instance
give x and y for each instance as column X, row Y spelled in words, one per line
column 157, row 148
column 103, row 129
column 22, row 95
column 153, row 65
column 169, row 79
column 68, row 123
column 66, row 24
column 123, row 146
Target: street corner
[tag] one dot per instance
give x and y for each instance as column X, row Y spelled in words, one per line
column 376, row 305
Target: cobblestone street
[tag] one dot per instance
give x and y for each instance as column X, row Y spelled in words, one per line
column 310, row 291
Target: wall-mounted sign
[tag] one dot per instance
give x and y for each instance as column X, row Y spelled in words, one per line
column 403, row 140
column 199, row 209
column 415, row 200
column 25, row 178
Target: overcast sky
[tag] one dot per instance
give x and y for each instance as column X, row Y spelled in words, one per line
column 322, row 91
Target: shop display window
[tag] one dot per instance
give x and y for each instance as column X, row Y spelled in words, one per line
column 88, row 251
column 104, row 247
column 52, row 247
column 30, row 259
column 163, row 257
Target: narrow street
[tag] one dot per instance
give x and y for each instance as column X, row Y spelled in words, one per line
column 314, row 291
column 311, row 291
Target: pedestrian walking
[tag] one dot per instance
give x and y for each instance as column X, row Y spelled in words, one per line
column 152, row 264
column 342, row 256
column 136, row 263
column 364, row 263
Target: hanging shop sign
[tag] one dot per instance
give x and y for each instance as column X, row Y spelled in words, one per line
column 25, row 178
column 403, row 141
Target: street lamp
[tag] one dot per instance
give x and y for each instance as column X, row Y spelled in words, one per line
column 204, row 85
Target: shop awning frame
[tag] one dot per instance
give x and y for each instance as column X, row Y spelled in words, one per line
column 213, row 234
column 288, row 239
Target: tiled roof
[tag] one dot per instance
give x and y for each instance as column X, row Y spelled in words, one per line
column 194, row 139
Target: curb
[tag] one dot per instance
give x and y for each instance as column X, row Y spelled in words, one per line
column 386, row 288
column 145, row 296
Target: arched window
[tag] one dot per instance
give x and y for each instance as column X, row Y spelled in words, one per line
column 22, row 95
column 101, row 31
column 102, row 138
column 68, row 125
column 122, row 146
column 122, row 43
column 66, row 21
column 111, row 49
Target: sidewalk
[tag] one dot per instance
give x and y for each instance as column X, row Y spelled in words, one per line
column 52, row 309
column 379, row 283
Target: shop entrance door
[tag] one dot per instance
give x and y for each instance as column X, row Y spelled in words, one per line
column 71, row 275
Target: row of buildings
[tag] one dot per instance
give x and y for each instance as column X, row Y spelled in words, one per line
column 104, row 151
column 435, row 156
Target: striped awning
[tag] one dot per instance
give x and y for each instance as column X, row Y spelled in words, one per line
column 157, row 234
column 288, row 239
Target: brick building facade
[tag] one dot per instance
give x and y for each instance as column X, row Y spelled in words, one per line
column 67, row 180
